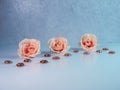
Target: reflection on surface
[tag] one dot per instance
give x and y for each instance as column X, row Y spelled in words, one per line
column 89, row 59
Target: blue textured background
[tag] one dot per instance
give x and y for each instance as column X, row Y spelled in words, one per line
column 43, row 19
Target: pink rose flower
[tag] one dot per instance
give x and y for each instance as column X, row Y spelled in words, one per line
column 58, row 45
column 29, row 48
column 89, row 42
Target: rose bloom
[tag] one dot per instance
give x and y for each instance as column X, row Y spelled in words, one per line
column 58, row 45
column 89, row 42
column 29, row 48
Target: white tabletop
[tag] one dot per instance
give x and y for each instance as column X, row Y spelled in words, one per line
column 97, row 71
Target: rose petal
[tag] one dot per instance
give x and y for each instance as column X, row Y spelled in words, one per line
column 58, row 45
column 88, row 42
column 29, row 48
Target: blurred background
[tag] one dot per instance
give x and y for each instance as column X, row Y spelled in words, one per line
column 44, row 19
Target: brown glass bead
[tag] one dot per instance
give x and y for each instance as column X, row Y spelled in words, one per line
column 56, row 58
column 43, row 61
column 67, row 54
column 8, row 62
column 111, row 52
column 27, row 60
column 105, row 49
column 47, row 55
column 98, row 51
column 86, row 53
column 20, row 64
column 75, row 51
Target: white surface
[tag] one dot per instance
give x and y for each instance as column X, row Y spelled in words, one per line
column 78, row 72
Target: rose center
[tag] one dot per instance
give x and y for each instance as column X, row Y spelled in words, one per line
column 88, row 44
column 30, row 50
column 58, row 45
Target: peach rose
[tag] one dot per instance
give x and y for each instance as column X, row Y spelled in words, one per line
column 58, row 45
column 89, row 42
column 29, row 48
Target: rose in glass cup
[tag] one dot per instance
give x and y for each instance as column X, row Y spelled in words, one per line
column 89, row 42
column 58, row 45
column 29, row 48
